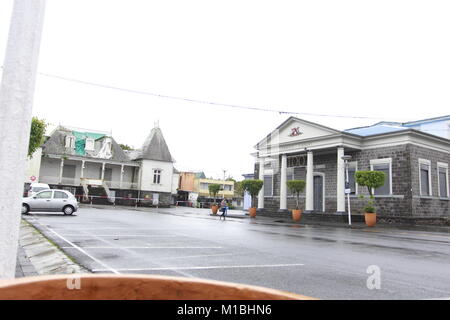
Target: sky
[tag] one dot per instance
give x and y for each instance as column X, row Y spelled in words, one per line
column 384, row 60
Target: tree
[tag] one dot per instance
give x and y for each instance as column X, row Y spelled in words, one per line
column 214, row 189
column 296, row 187
column 126, row 147
column 38, row 127
column 252, row 186
column 238, row 189
column 371, row 180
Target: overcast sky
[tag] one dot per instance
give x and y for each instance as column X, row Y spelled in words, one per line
column 383, row 59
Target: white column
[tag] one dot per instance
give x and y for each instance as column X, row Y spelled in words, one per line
column 82, row 169
column 340, row 180
column 309, row 206
column 121, row 176
column 61, row 168
column 261, row 177
column 16, row 100
column 283, row 186
column 103, row 170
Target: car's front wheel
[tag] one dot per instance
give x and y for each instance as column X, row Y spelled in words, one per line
column 68, row 210
column 25, row 208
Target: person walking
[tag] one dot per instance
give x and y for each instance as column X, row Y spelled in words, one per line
column 223, row 208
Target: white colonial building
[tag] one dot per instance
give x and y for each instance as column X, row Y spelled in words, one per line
column 91, row 165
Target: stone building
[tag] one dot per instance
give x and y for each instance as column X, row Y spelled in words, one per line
column 415, row 163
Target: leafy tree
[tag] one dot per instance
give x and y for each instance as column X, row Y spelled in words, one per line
column 371, row 180
column 252, row 186
column 296, row 187
column 126, row 147
column 214, row 189
column 37, row 132
column 238, row 189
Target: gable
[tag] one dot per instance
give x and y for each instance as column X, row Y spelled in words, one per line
column 295, row 129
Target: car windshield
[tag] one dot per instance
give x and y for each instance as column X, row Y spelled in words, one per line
column 37, row 189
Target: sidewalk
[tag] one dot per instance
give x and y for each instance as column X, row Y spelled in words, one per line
column 36, row 255
column 276, row 220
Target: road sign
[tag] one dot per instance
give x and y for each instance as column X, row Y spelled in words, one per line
column 33, row 178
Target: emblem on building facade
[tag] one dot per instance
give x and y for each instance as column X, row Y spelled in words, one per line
column 295, row 132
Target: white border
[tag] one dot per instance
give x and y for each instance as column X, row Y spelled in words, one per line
column 444, row 166
column 383, row 161
column 427, row 163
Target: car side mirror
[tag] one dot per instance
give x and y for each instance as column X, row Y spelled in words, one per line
column 34, row 197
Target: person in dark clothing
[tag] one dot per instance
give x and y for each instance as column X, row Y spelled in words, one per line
column 223, row 208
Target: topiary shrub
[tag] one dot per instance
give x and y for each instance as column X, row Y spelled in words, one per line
column 296, row 187
column 214, row 190
column 252, row 186
column 371, row 180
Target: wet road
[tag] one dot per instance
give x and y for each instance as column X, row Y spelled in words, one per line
column 317, row 261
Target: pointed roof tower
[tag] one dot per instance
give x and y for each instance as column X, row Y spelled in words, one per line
column 155, row 147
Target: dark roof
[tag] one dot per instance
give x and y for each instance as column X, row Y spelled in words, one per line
column 56, row 144
column 155, row 147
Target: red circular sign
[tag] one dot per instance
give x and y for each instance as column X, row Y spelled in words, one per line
column 32, row 178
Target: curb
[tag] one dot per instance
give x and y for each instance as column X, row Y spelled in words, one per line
column 37, row 255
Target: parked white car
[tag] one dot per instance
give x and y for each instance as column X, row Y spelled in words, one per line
column 50, row 201
column 36, row 187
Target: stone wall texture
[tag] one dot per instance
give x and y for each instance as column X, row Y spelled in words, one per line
column 405, row 201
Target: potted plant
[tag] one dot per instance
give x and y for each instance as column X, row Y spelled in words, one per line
column 296, row 187
column 371, row 180
column 253, row 187
column 214, row 190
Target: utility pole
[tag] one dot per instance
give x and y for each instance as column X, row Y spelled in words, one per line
column 16, row 100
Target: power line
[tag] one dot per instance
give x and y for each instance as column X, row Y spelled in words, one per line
column 190, row 100
column 263, row 109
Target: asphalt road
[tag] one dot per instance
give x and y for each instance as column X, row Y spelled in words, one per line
column 317, row 261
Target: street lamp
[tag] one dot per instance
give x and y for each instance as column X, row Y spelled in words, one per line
column 346, row 158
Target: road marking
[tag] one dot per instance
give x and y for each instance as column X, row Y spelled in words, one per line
column 107, row 268
column 120, row 235
column 210, row 267
column 197, row 256
column 147, row 247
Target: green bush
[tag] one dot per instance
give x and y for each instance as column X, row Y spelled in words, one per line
column 296, row 187
column 214, row 190
column 252, row 186
column 371, row 180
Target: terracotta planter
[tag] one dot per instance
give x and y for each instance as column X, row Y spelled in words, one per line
column 133, row 287
column 214, row 209
column 370, row 218
column 252, row 212
column 297, row 215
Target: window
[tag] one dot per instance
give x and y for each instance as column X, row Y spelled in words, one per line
column 157, row 176
column 204, row 186
column 425, row 177
column 352, row 168
column 90, row 144
column 44, row 195
column 443, row 179
column 268, row 186
column 296, row 161
column 70, row 142
column 60, row 195
column 383, row 165
column 227, row 187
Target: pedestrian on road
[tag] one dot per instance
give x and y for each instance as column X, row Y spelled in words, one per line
column 223, row 208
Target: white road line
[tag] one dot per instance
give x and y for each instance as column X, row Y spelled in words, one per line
column 197, row 256
column 107, row 268
column 147, row 247
column 120, row 235
column 210, row 267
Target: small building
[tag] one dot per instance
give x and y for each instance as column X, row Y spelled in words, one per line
column 91, row 165
column 413, row 156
